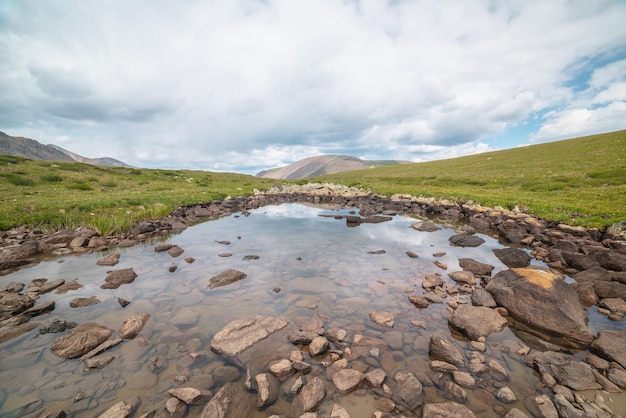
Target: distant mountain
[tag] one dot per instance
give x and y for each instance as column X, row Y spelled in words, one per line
column 323, row 164
column 29, row 148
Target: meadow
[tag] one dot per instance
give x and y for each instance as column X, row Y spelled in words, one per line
column 580, row 181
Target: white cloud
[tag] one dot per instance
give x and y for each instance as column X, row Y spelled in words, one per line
column 235, row 84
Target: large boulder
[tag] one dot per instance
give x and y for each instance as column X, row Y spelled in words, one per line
column 80, row 340
column 540, row 298
column 477, row 321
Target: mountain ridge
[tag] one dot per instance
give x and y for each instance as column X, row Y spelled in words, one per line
column 19, row 146
column 321, row 165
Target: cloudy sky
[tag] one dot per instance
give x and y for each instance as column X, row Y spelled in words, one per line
column 244, row 85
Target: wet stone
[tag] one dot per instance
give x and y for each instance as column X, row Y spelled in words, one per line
column 346, row 380
column 84, row 302
column 448, row 410
column 80, row 340
column 109, row 260
column 442, row 348
column 56, row 325
column 318, row 346
column 385, row 319
column 226, row 277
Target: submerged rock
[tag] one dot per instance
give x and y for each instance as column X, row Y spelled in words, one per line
column 444, row 349
column 231, row 401
column 80, row 340
column 540, row 298
column 226, row 277
column 477, row 321
column 243, row 333
column 447, row 410
column 133, row 326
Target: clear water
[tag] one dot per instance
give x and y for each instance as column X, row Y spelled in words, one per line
column 308, row 266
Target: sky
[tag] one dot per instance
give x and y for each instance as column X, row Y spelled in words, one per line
column 246, row 85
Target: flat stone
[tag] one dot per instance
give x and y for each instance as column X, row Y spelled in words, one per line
column 132, row 326
column 477, row 321
column 231, row 401
column 310, row 396
column 444, row 349
column 463, row 276
column 346, row 380
column 476, row 267
column 432, row 280
column 109, row 260
column 566, row 370
column 447, row 410
column 385, row 319
column 466, row 240
column 481, row 297
column 610, row 345
column 190, row 395
column 512, row 257
column 84, row 302
column 80, row 340
column 243, row 333
column 281, row 367
column 116, row 278
column 226, row 277
column 419, row 301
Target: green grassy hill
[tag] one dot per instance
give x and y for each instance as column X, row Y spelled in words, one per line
column 581, row 181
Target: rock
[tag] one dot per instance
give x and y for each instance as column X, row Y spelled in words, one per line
column 610, row 290
column 71, row 285
column 385, row 319
column 56, row 325
column 425, row 226
column 83, row 302
column 540, row 298
column 185, row 317
column 243, row 333
column 610, row 345
column 310, row 396
column 338, row 336
column 226, row 277
column 175, row 251
column 411, row 254
column 100, row 348
column 506, row 395
column 97, row 363
column 109, row 260
column 8, row 333
column 477, row 321
column 463, row 276
column 454, row 391
column 119, row 410
column 447, row 410
column 318, row 346
column 175, row 408
column 375, row 377
column 617, row 305
column 497, row 368
column 512, row 257
column 267, row 389
column 432, row 280
column 346, row 380
column 281, row 367
column 116, row 278
column 481, row 297
column 466, row 240
column 133, row 326
column 541, row 406
column 339, row 412
column 443, row 366
column 618, row 377
column 80, row 340
column 12, row 304
column 476, row 267
column 409, row 391
column 444, row 349
column 419, row 301
column 566, row 370
column 39, row 309
column 123, row 302
column 515, row 413
column 231, row 401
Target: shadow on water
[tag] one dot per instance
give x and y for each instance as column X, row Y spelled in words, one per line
column 299, row 265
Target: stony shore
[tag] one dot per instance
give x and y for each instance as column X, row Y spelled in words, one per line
column 537, row 297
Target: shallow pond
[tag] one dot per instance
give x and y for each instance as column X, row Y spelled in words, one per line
column 303, row 266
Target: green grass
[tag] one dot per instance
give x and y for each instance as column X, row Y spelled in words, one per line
column 54, row 195
column 580, row 181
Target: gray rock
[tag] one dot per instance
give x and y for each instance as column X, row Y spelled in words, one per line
column 512, row 257
column 466, row 240
column 119, row 410
column 444, row 349
column 84, row 302
column 454, row 391
column 109, row 260
column 476, row 267
column 175, row 251
column 346, row 380
column 243, row 333
column 116, row 278
column 477, row 321
column 506, row 395
column 447, row 410
column 463, row 379
column 385, row 319
column 610, row 345
column 132, row 326
column 566, row 370
column 375, row 377
column 267, row 389
column 310, row 396
column 463, row 276
column 540, row 298
column 425, row 226
column 56, row 325
column 409, row 391
column 190, row 395
column 231, row 401
column 618, row 377
column 80, row 340
column 432, row 280
column 481, row 297
column 541, row 406
column 226, row 277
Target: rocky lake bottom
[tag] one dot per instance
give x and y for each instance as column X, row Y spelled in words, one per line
column 306, row 267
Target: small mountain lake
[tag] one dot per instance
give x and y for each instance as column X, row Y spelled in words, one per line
column 303, row 263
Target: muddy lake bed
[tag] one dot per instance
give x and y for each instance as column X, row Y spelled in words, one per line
column 302, row 263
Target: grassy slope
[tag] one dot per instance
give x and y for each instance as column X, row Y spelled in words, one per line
column 62, row 195
column 581, row 181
